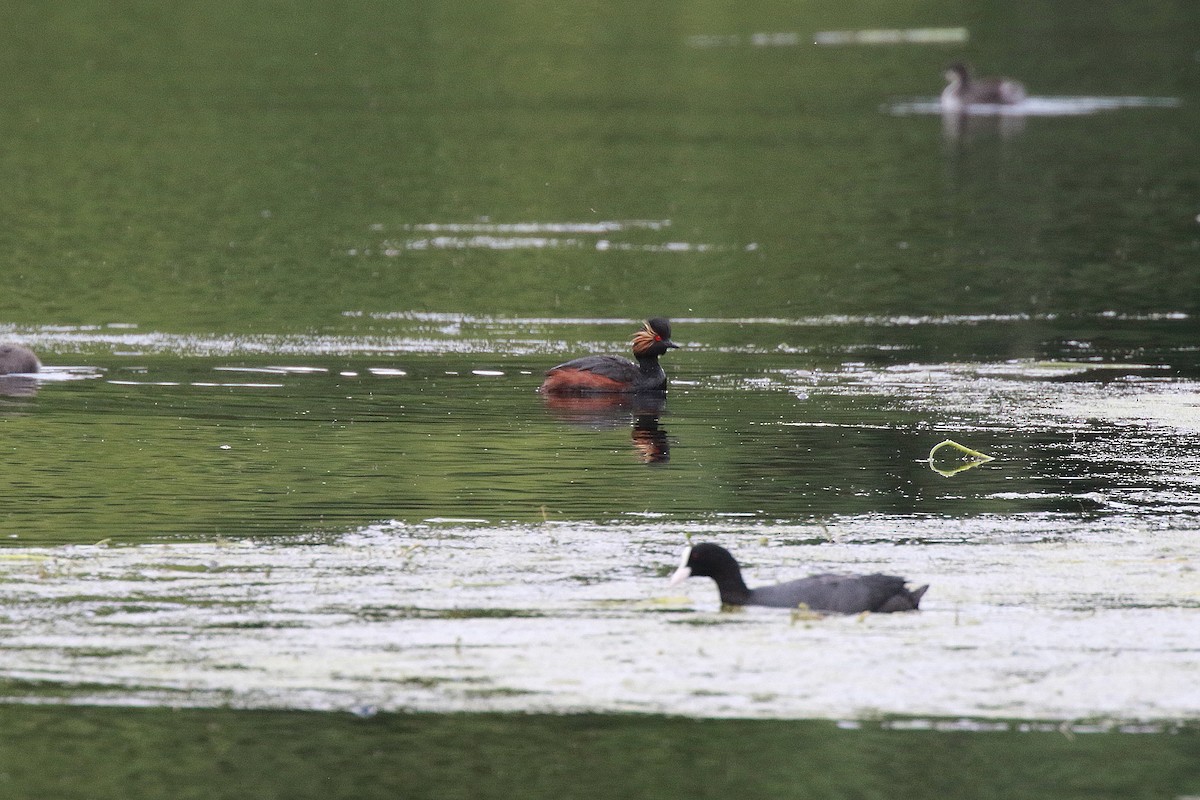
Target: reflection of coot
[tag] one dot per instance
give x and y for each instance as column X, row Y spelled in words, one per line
column 840, row 594
column 15, row 358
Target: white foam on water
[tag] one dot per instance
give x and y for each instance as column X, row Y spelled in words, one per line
column 880, row 36
column 534, row 235
column 264, row 370
column 869, row 36
column 60, row 373
column 527, row 228
column 443, row 332
column 213, row 385
column 1032, row 106
column 1048, row 617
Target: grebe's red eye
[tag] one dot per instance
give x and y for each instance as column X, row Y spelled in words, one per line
column 657, row 338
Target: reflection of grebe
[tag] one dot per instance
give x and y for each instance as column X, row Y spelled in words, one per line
column 964, row 90
column 615, row 375
column 15, row 358
column 593, row 409
column 614, row 410
column 649, row 440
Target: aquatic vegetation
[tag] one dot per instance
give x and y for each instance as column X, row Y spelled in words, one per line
column 965, row 459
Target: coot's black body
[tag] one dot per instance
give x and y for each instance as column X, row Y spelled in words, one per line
column 838, row 594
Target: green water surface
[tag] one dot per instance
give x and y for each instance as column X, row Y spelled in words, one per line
column 104, row 753
column 241, row 168
column 228, row 172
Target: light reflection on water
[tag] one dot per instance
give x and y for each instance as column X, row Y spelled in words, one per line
column 261, row 525
column 411, row 526
column 403, row 332
column 566, row 235
column 782, row 420
column 1035, row 106
column 444, row 616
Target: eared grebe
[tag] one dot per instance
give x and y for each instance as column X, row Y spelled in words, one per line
column 15, row 358
column 840, row 594
column 603, row 374
column 963, row 90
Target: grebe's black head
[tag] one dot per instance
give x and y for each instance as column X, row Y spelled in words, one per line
column 653, row 339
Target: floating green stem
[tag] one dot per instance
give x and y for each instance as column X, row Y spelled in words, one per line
column 967, row 458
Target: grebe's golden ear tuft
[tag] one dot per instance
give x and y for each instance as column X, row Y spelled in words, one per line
column 644, row 339
column 655, row 334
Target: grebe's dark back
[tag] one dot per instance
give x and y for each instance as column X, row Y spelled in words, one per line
column 606, row 374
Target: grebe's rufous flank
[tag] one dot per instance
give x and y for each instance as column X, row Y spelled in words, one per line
column 15, row 358
column 613, row 374
column 839, row 594
column 964, row 90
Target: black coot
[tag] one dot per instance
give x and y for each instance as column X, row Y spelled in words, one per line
column 840, row 594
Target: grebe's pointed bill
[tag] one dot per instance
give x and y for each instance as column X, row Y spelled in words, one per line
column 684, row 572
